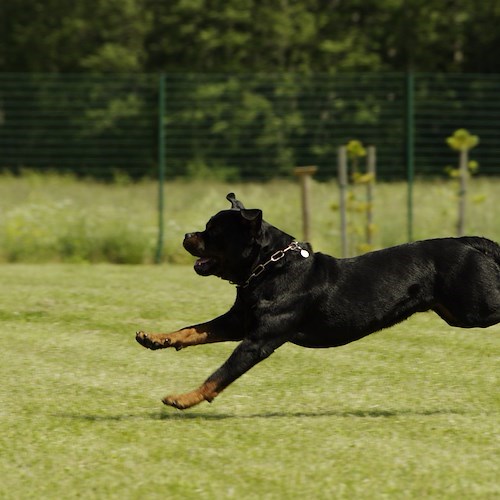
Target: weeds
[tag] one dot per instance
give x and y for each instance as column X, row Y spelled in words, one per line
column 51, row 218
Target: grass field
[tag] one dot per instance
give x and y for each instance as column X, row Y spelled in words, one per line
column 412, row 412
column 47, row 218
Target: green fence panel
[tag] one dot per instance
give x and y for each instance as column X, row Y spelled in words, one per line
column 447, row 102
column 260, row 126
column 89, row 125
column 245, row 127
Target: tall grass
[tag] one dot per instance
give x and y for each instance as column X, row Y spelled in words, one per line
column 60, row 218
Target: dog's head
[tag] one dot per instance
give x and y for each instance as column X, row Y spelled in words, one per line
column 230, row 243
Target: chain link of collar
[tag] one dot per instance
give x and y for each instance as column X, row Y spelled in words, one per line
column 275, row 257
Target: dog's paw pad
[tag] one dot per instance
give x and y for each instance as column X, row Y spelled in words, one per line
column 143, row 339
column 170, row 401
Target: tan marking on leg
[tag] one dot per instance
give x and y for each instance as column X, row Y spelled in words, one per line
column 445, row 314
column 206, row 392
column 193, row 335
column 189, row 336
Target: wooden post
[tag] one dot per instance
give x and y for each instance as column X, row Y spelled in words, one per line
column 304, row 174
column 342, row 176
column 371, row 171
column 462, row 195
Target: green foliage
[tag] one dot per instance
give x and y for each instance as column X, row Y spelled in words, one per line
column 454, row 173
column 360, row 227
column 243, row 119
column 247, row 35
column 462, row 140
column 252, row 126
column 38, row 232
column 71, row 221
column 355, row 149
column 98, row 36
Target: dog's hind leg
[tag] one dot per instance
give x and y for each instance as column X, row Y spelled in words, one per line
column 244, row 357
column 472, row 298
column 468, row 318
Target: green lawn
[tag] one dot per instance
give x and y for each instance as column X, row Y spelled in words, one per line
column 412, row 412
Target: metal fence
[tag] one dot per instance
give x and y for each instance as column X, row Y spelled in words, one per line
column 90, row 125
column 242, row 126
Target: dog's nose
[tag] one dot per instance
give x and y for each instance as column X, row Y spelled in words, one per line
column 193, row 243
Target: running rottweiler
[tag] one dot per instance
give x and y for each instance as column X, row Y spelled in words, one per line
column 287, row 293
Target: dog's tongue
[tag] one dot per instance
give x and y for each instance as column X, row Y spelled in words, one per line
column 202, row 263
column 202, row 260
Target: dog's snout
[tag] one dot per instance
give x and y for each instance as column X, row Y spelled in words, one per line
column 193, row 243
column 191, row 239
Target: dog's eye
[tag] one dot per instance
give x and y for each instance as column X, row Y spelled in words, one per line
column 215, row 232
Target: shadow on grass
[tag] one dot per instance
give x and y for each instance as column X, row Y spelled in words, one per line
column 311, row 414
column 173, row 415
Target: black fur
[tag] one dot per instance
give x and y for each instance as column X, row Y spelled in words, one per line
column 320, row 301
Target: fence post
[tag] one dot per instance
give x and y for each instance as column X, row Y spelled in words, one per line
column 161, row 166
column 371, row 170
column 305, row 174
column 342, row 176
column 410, row 147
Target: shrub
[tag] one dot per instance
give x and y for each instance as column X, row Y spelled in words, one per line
column 64, row 231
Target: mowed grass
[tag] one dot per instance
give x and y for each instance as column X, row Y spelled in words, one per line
column 411, row 412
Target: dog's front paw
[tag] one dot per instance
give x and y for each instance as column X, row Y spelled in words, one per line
column 152, row 341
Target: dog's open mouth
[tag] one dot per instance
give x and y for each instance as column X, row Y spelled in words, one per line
column 205, row 266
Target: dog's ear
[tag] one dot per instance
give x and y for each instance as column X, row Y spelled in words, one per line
column 235, row 204
column 252, row 217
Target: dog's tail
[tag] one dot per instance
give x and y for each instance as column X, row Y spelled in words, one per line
column 484, row 245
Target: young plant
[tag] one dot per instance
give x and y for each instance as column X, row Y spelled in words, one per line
column 360, row 210
column 462, row 141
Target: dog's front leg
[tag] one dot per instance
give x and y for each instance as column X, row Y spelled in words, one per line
column 188, row 336
column 245, row 356
column 224, row 328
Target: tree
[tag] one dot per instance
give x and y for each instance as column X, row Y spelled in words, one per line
column 60, row 36
column 302, row 36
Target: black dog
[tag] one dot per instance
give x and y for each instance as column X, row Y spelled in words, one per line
column 287, row 293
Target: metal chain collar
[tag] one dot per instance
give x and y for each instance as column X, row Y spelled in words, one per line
column 294, row 245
